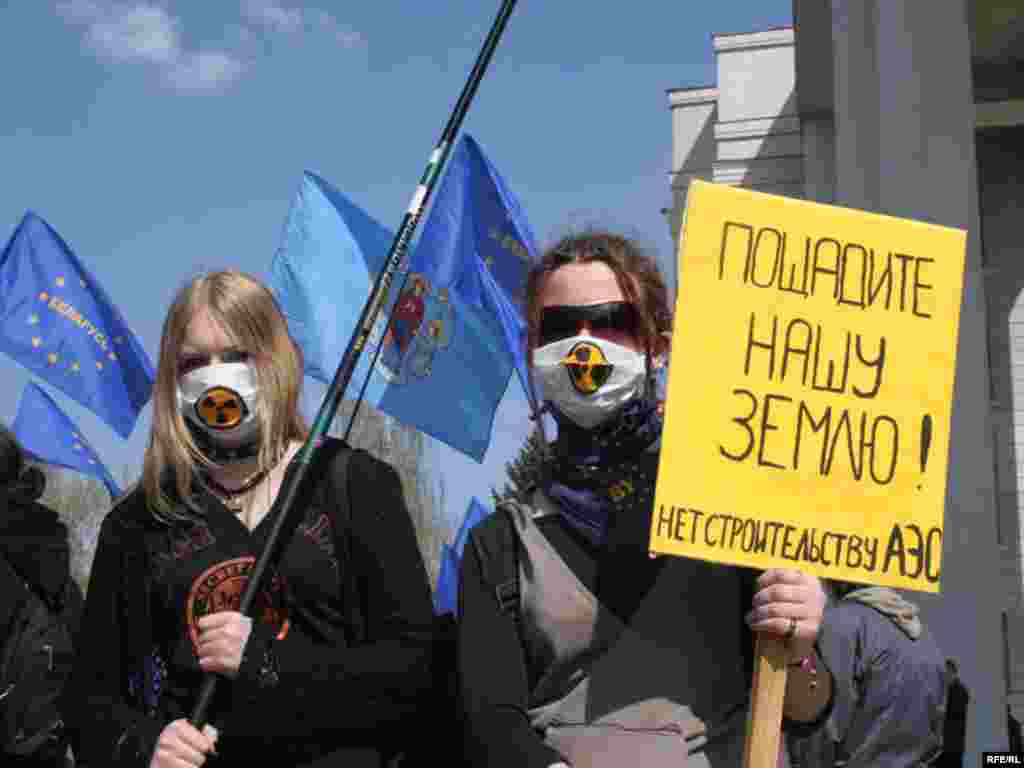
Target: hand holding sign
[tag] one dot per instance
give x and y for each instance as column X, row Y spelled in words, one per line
column 790, row 605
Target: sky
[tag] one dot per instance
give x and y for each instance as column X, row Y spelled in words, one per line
column 161, row 139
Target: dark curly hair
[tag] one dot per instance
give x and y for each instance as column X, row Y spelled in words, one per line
column 18, row 479
column 636, row 272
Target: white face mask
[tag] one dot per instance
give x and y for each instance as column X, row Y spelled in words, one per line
column 588, row 379
column 220, row 401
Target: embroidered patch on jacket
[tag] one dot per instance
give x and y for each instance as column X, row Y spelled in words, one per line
column 183, row 544
column 220, row 587
column 321, row 534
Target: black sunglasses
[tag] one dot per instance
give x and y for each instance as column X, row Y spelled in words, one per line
column 563, row 321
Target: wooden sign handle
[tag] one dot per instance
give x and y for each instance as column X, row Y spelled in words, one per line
column 764, row 721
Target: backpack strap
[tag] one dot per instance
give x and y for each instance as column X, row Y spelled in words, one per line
column 497, row 548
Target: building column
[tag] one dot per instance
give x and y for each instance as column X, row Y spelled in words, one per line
column 818, row 135
column 757, row 134
column 856, row 84
column 905, row 146
column 694, row 111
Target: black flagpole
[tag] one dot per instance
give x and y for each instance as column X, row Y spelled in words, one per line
column 284, row 517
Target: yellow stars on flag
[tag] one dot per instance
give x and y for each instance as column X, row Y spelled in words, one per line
column 104, row 357
column 489, row 261
column 113, row 355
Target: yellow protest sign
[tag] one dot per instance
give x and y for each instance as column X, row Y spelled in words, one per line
column 810, row 388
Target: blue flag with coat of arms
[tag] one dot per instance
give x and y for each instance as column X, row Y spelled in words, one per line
column 452, row 336
column 58, row 322
column 50, row 436
column 476, row 221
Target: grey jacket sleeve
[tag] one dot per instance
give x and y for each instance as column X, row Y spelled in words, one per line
column 890, row 694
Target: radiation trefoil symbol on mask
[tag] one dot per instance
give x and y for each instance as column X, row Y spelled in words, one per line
column 221, row 408
column 420, row 327
column 587, row 367
column 219, row 404
column 587, row 379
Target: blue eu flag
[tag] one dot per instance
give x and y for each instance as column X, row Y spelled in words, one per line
column 57, row 321
column 446, row 595
column 49, row 436
column 454, row 335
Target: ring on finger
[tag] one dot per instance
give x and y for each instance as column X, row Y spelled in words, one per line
column 792, row 628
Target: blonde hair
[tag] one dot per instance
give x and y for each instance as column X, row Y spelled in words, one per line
column 250, row 316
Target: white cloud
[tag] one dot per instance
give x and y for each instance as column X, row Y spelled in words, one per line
column 240, row 33
column 348, row 37
column 79, row 10
column 204, row 71
column 141, row 32
column 269, row 13
column 146, row 33
column 273, row 15
column 344, row 35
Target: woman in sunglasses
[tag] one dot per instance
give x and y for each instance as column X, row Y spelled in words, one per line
column 576, row 647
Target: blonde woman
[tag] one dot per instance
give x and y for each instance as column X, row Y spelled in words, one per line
column 337, row 651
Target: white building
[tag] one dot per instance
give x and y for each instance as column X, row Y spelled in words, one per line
column 913, row 108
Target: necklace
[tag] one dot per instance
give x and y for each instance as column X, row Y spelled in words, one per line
column 234, row 499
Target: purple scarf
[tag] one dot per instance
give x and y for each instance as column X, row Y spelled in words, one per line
column 609, row 469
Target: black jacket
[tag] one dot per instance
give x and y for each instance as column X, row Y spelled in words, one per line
column 34, row 542
column 34, row 553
